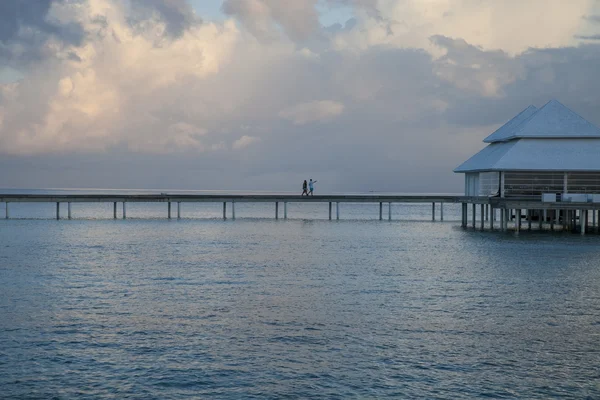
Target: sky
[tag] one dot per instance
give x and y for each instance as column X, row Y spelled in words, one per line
column 362, row 95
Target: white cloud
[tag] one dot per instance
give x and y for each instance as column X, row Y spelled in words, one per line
column 298, row 18
column 108, row 91
column 244, row 142
column 314, row 111
column 510, row 25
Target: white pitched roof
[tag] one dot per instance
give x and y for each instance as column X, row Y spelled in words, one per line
column 508, row 128
column 536, row 155
column 553, row 120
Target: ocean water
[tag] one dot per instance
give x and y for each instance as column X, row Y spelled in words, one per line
column 150, row 308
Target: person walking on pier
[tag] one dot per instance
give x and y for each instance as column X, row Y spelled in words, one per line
column 311, row 187
column 304, row 188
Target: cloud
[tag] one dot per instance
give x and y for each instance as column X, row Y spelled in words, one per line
column 26, row 27
column 593, row 18
column 314, row 111
column 410, row 23
column 298, row 18
column 177, row 15
column 115, row 88
column 149, row 89
column 588, row 37
column 244, row 142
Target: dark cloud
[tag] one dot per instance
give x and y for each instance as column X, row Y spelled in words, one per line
column 593, row 18
column 588, row 37
column 21, row 19
column 15, row 14
column 178, row 15
column 26, row 25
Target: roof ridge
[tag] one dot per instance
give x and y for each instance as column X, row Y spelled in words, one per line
column 526, row 123
column 490, row 138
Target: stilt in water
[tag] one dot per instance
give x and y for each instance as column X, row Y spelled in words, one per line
column 482, row 217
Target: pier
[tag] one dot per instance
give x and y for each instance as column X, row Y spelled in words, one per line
column 228, row 201
column 478, row 212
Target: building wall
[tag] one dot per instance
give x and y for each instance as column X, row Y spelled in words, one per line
column 472, row 184
column 533, row 184
column 489, row 183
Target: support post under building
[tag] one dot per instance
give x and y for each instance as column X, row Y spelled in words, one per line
column 482, row 219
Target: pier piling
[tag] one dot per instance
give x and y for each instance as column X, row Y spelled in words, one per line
column 482, row 217
column 441, row 211
column 330, row 211
column 124, row 210
column 390, row 211
column 337, row 210
column 285, row 210
column 169, row 210
column 276, row 210
column 380, row 210
column 6, row 215
column 115, row 210
column 433, row 211
column 69, row 210
column 178, row 210
column 57, row 210
column 224, row 210
column 233, row 210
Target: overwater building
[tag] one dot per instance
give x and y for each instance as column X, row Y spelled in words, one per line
column 545, row 152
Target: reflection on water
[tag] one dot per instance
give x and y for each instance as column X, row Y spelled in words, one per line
column 258, row 308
